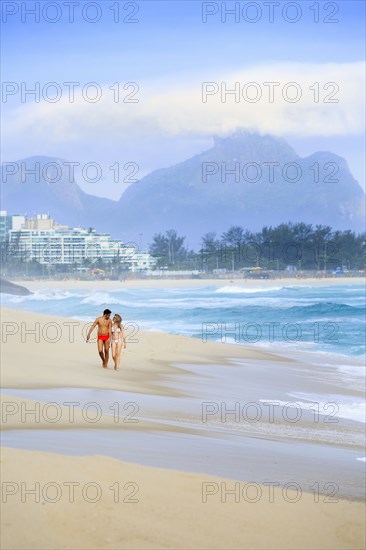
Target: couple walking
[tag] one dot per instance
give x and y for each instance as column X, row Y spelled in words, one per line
column 110, row 333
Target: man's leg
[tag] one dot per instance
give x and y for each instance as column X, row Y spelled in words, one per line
column 106, row 352
column 100, row 351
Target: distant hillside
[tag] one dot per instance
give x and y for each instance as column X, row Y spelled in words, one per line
column 180, row 197
column 66, row 202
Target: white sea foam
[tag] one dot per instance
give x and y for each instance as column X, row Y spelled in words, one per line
column 244, row 290
column 103, row 298
column 332, row 408
column 45, row 295
column 347, row 407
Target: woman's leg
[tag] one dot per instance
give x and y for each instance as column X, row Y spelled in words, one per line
column 113, row 350
column 118, row 355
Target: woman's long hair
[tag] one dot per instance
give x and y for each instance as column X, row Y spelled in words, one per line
column 118, row 320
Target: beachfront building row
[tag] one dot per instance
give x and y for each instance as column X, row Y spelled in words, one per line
column 8, row 222
column 41, row 239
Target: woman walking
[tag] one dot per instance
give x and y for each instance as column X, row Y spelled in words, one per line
column 118, row 338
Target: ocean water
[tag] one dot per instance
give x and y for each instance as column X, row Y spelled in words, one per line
column 323, row 319
column 323, row 326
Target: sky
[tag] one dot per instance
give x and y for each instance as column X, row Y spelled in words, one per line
column 148, row 62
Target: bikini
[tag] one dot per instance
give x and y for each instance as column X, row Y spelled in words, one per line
column 118, row 331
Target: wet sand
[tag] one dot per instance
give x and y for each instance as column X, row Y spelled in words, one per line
column 169, row 378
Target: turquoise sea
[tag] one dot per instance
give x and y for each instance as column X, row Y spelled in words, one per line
column 322, row 328
column 327, row 319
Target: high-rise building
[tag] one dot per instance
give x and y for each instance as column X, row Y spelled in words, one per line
column 8, row 222
column 41, row 239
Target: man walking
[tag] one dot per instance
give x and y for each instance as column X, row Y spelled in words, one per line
column 104, row 336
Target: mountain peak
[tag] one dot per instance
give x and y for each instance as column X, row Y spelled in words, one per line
column 258, row 146
column 194, row 202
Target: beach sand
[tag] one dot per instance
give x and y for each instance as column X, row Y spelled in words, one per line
column 169, row 512
column 52, row 352
column 34, row 284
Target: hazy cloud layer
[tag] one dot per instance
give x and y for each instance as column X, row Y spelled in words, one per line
column 172, row 110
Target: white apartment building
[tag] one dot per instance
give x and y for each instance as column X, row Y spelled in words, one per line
column 142, row 261
column 41, row 239
column 8, row 222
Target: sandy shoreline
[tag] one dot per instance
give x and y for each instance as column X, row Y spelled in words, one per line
column 170, row 514
column 34, row 284
column 143, row 508
column 47, row 350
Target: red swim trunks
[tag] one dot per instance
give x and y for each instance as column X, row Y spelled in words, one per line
column 103, row 337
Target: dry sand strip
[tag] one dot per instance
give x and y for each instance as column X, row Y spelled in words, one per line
column 102, row 503
column 40, row 351
column 106, row 285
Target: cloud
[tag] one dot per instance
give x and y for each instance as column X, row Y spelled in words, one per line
column 169, row 109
